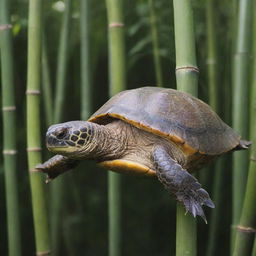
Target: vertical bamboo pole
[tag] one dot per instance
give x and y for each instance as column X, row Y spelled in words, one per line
column 86, row 94
column 57, row 187
column 155, row 43
column 212, row 72
column 245, row 233
column 254, row 248
column 46, row 84
column 240, row 103
column 187, row 79
column 116, row 43
column 33, row 127
column 62, row 63
column 9, row 131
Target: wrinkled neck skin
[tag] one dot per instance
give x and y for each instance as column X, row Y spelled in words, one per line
column 107, row 142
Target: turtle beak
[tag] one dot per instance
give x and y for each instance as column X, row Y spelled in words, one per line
column 53, row 142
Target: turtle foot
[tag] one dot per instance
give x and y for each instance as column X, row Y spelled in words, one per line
column 193, row 201
column 56, row 166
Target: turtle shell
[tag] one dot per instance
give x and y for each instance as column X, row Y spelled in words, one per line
column 176, row 115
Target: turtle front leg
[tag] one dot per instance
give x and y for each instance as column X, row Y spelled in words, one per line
column 183, row 185
column 56, row 166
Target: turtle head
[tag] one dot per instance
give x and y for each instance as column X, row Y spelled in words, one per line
column 71, row 139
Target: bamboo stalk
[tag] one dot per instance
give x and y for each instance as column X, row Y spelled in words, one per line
column 9, row 131
column 240, row 104
column 155, row 43
column 187, row 79
column 116, row 43
column 245, row 234
column 212, row 73
column 57, row 188
column 46, row 84
column 33, row 127
column 62, row 63
column 254, row 248
column 86, row 89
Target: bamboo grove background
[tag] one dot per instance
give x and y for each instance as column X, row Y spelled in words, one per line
column 60, row 61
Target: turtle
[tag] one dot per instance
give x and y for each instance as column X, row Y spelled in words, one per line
column 150, row 131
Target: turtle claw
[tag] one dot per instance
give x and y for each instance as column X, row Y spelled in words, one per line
column 193, row 201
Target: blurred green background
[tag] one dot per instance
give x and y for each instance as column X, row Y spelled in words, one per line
column 148, row 212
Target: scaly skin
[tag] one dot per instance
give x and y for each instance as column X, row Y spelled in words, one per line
column 183, row 185
column 78, row 140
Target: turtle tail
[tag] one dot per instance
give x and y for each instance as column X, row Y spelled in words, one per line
column 243, row 144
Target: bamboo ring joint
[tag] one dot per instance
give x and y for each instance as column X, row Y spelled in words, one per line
column 253, row 158
column 5, row 26
column 34, row 149
column 9, row 108
column 115, row 25
column 246, row 229
column 43, row 253
column 32, row 92
column 188, row 68
column 33, row 170
column 9, row 152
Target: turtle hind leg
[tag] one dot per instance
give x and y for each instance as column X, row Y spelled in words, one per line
column 183, row 185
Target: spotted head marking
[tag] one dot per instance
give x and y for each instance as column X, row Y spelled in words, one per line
column 70, row 137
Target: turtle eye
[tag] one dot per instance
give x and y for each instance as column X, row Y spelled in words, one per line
column 61, row 133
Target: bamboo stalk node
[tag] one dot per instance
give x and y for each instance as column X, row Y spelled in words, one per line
column 9, row 108
column 9, row 152
column 32, row 170
column 246, row 229
column 43, row 253
column 33, row 92
column 35, row 149
column 5, row 26
column 115, row 25
column 188, row 68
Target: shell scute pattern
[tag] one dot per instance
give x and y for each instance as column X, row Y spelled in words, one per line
column 167, row 112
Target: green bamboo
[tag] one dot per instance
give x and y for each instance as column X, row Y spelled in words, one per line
column 86, row 88
column 62, row 63
column 57, row 187
column 187, row 80
column 9, row 131
column 212, row 70
column 254, row 247
column 245, row 234
column 46, row 84
column 116, row 43
column 155, row 43
column 240, row 104
column 212, row 73
column 33, row 127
